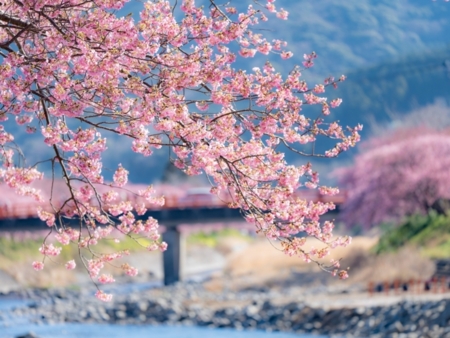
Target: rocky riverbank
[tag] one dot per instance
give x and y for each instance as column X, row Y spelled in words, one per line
column 191, row 304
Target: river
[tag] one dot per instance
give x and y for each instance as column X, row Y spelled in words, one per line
column 134, row 331
column 11, row 327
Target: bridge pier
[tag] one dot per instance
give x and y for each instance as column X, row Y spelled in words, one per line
column 173, row 256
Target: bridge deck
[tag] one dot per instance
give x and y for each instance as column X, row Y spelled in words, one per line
column 176, row 216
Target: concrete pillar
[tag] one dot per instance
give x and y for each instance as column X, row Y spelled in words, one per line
column 172, row 257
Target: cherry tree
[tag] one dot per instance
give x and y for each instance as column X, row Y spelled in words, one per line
column 76, row 71
column 397, row 174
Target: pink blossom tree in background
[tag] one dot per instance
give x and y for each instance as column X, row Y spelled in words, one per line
column 75, row 71
column 397, row 174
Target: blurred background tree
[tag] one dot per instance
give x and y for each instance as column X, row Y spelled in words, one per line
column 400, row 182
column 397, row 175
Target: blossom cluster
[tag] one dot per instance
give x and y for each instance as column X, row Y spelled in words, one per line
column 163, row 81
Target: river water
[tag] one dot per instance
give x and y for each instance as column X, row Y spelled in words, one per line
column 12, row 326
column 133, row 331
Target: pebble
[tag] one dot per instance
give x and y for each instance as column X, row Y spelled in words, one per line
column 172, row 306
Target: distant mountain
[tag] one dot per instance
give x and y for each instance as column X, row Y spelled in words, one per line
column 395, row 86
column 351, row 34
column 365, row 39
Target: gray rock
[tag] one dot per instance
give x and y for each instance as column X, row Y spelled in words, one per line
column 28, row 335
column 120, row 314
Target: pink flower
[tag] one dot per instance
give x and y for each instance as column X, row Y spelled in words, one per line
column 94, row 267
column 328, row 190
column 247, row 52
column 38, row 266
column 286, row 55
column 129, row 270
column 105, row 297
column 319, row 88
column 310, row 185
column 120, row 176
column 335, row 103
column 277, row 44
column 311, row 56
column 105, row 279
column 110, row 196
column 132, row 272
column 264, row 48
column 70, row 265
column 271, row 7
column 343, row 274
column 202, row 105
column 47, row 217
column 140, row 208
column 153, row 247
column 63, row 238
column 147, row 193
column 308, row 63
column 163, row 246
column 152, row 104
column 282, row 14
column 49, row 250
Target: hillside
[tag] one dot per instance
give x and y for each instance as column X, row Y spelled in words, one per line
column 396, row 86
column 358, row 33
column 365, row 39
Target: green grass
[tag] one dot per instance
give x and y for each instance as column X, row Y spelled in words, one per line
column 18, row 250
column 429, row 233
column 126, row 243
column 212, row 239
column 16, row 256
column 440, row 251
column 25, row 250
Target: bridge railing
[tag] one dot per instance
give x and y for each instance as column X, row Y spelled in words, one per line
column 20, row 210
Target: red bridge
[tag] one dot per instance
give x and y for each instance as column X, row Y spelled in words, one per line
column 13, row 206
column 185, row 209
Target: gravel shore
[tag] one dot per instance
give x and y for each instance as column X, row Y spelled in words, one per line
column 287, row 310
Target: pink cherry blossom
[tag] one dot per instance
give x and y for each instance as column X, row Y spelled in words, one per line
column 247, row 52
column 105, row 297
column 282, row 14
column 167, row 79
column 120, row 176
column 335, row 103
column 343, row 274
column 47, row 217
column 49, row 250
column 38, row 266
column 271, row 7
column 163, row 246
column 129, row 270
column 286, row 55
column 70, row 265
column 105, row 279
column 63, row 237
column 398, row 174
